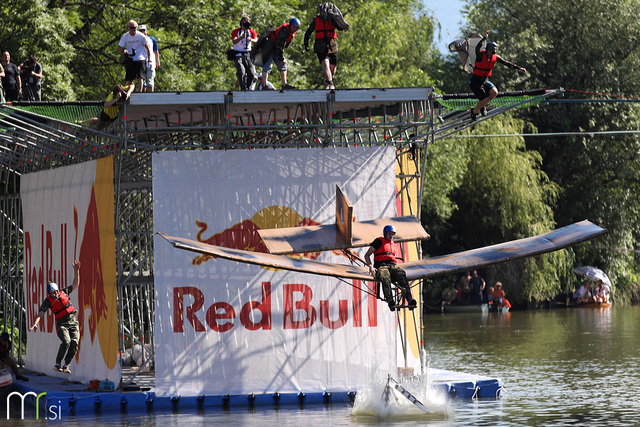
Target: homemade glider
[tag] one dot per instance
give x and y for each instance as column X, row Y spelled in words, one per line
column 346, row 233
column 466, row 49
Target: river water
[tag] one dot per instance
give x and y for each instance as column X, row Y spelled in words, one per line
column 560, row 367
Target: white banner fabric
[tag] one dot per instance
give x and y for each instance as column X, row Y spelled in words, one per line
column 224, row 327
column 68, row 213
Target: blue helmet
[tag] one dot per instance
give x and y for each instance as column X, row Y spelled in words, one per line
column 492, row 47
column 294, row 21
column 52, row 287
column 388, row 228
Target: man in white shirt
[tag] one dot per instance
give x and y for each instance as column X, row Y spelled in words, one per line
column 134, row 44
column 154, row 60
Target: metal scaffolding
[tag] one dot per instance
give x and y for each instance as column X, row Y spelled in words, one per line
column 34, row 140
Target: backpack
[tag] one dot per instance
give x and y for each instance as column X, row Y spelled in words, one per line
column 256, row 49
column 330, row 10
column 466, row 49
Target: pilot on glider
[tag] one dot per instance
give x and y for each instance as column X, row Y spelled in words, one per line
column 386, row 270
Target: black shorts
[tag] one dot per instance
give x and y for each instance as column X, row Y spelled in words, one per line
column 136, row 70
column 480, row 87
column 326, row 48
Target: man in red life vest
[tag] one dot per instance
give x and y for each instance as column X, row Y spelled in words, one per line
column 66, row 323
column 385, row 268
column 280, row 39
column 484, row 90
column 325, row 45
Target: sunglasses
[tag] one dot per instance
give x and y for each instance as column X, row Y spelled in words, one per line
column 132, row 28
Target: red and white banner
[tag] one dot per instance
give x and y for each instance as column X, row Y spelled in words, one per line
column 224, row 327
column 68, row 213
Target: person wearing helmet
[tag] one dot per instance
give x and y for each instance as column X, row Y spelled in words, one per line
column 67, row 326
column 386, row 270
column 279, row 39
column 325, row 45
column 484, row 90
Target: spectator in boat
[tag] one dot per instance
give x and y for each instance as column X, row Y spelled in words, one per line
column 477, row 285
column 583, row 295
column 6, row 359
column 601, row 293
column 449, row 296
column 465, row 290
column 499, row 297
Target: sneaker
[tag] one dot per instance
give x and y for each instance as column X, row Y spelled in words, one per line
column 483, row 111
column 392, row 306
column 66, row 369
column 473, row 115
column 57, row 367
column 412, row 304
column 22, row 378
column 267, row 87
column 288, row 86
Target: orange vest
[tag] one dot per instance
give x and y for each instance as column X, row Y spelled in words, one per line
column 484, row 67
column 61, row 306
column 325, row 29
column 386, row 252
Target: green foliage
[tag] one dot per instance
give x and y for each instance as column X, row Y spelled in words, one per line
column 483, row 191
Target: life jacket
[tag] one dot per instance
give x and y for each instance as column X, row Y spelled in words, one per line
column 61, row 306
column 484, row 66
column 325, row 29
column 386, row 251
column 274, row 35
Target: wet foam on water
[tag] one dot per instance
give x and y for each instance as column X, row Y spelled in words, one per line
column 371, row 403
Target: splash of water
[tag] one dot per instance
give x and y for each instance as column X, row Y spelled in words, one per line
column 371, row 403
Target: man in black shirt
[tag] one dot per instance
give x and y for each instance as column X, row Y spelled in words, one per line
column 11, row 81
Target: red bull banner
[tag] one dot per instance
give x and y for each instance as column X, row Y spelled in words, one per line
column 68, row 214
column 224, row 327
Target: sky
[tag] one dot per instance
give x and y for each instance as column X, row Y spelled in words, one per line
column 450, row 17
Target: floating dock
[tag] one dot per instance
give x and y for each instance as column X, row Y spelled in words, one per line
column 71, row 398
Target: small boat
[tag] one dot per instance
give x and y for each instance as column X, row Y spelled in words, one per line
column 592, row 305
column 466, row 308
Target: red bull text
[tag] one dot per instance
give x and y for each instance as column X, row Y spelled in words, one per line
column 299, row 311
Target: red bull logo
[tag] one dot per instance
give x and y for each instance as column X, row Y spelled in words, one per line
column 244, row 235
column 97, row 290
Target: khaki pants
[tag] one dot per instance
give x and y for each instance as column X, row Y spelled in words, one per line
column 69, row 334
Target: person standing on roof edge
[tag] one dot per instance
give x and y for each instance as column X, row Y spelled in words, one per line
column 484, row 90
column 242, row 38
column 386, row 270
column 66, row 323
column 325, row 45
column 134, row 44
column 282, row 38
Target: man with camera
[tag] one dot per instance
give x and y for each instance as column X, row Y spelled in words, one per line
column 242, row 38
column 31, row 76
column 132, row 43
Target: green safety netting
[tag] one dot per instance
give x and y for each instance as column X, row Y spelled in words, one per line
column 71, row 112
column 504, row 101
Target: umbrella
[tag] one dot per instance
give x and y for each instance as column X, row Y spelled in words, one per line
column 593, row 273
